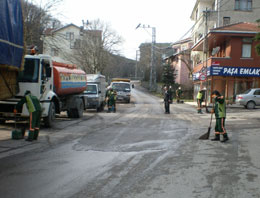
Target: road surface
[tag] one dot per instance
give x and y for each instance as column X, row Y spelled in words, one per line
column 138, row 152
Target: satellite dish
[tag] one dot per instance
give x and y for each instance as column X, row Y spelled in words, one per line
column 215, row 50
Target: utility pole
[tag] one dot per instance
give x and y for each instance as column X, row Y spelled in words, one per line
column 152, row 65
column 152, row 82
column 136, row 64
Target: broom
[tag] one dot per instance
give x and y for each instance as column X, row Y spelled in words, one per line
column 206, row 135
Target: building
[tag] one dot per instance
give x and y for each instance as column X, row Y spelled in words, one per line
column 222, row 12
column 180, row 59
column 60, row 43
column 233, row 65
column 71, row 44
column 211, row 14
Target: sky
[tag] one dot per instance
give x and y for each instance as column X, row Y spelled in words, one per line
column 171, row 19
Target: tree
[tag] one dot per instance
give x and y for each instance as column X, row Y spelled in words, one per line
column 168, row 75
column 36, row 19
column 257, row 38
column 98, row 42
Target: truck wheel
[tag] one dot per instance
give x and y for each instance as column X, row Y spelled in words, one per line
column 78, row 113
column 49, row 120
column 70, row 113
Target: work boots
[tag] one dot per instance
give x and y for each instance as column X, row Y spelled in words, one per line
column 36, row 133
column 30, row 136
column 225, row 138
column 217, row 138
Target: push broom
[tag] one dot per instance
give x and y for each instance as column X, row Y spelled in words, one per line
column 206, row 135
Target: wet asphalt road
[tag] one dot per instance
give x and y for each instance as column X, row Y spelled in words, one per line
column 137, row 152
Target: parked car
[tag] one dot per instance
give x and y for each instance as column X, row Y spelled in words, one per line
column 250, row 98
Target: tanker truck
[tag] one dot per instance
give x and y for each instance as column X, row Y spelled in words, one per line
column 58, row 86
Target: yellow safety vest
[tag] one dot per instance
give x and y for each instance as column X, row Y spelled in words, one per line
column 199, row 96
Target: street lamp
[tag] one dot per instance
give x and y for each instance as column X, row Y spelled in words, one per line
column 152, row 82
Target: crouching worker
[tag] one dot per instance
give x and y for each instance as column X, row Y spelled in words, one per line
column 34, row 108
column 220, row 114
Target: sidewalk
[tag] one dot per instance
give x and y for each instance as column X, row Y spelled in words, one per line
column 210, row 105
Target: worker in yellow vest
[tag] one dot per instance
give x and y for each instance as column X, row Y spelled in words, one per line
column 199, row 101
column 34, row 108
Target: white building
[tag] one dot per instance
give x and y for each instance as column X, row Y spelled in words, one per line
column 62, row 42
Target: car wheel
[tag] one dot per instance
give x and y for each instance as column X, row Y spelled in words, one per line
column 250, row 105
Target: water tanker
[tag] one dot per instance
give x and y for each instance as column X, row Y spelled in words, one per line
column 58, row 86
column 68, row 79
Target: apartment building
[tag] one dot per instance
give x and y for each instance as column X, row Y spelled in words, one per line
column 224, row 27
column 180, row 60
column 220, row 13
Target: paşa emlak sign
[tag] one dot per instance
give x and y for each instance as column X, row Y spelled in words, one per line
column 235, row 71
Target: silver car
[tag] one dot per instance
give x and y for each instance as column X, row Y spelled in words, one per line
column 250, row 98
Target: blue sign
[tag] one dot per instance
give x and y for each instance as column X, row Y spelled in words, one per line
column 235, row 71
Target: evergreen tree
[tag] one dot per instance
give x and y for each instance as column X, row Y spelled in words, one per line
column 168, row 75
column 257, row 38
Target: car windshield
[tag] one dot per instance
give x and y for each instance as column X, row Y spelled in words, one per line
column 91, row 89
column 30, row 72
column 121, row 86
column 247, row 91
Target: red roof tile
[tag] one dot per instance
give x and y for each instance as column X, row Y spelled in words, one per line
column 243, row 26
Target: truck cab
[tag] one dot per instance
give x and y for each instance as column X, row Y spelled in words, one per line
column 36, row 77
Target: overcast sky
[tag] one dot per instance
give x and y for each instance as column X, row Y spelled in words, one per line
column 171, row 18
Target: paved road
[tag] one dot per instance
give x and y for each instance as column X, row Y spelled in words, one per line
column 137, row 152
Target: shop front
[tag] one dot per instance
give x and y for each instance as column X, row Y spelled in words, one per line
column 229, row 81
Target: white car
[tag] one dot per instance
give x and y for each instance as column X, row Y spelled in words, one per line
column 250, row 98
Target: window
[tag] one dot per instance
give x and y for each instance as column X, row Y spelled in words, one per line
column 257, row 92
column 54, row 52
column 226, row 21
column 246, row 47
column 70, row 36
column 245, row 5
column 30, row 72
column 197, row 13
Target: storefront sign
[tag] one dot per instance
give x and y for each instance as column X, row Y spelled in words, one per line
column 235, row 71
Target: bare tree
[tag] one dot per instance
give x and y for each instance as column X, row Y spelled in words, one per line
column 98, row 42
column 36, row 19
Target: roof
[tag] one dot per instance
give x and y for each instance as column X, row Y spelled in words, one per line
column 182, row 41
column 236, row 29
column 50, row 31
column 66, row 26
column 242, row 27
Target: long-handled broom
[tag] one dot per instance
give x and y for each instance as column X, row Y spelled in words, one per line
column 206, row 135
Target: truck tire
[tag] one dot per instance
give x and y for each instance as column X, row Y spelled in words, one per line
column 80, row 109
column 49, row 120
column 70, row 113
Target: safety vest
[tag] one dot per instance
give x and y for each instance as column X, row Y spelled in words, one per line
column 199, row 95
column 29, row 103
column 220, row 108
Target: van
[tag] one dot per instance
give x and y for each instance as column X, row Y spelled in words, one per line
column 96, row 91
